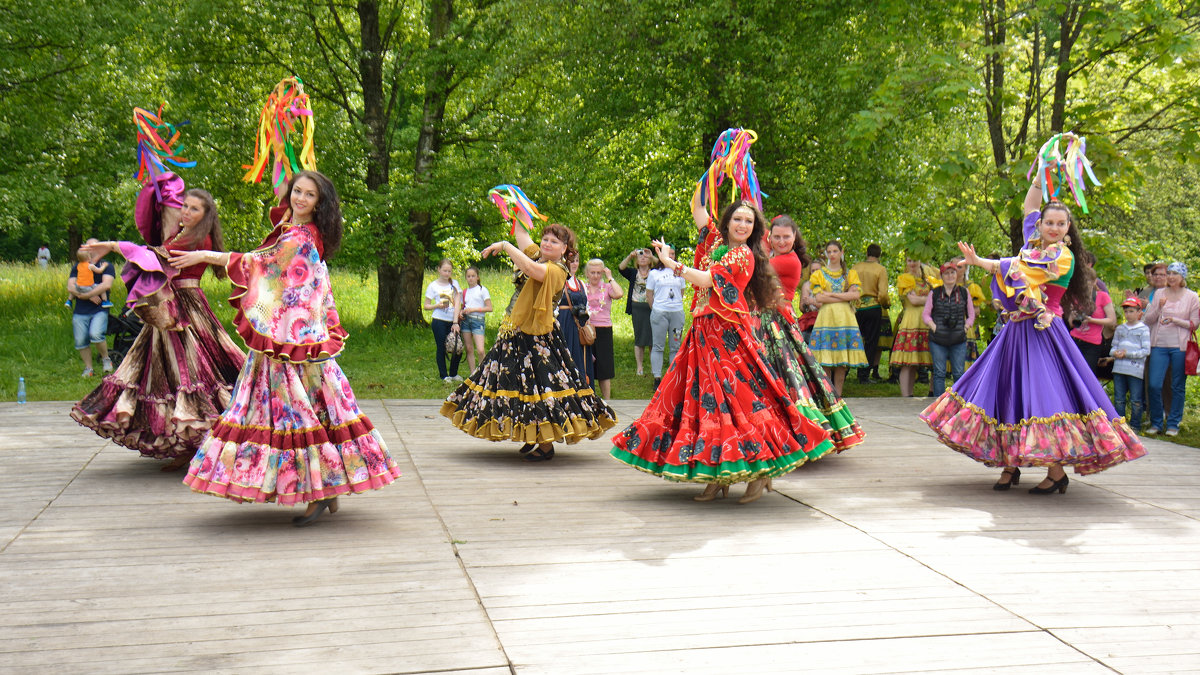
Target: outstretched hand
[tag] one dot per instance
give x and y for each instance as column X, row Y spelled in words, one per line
column 969, row 255
column 492, row 250
column 663, row 250
column 183, row 259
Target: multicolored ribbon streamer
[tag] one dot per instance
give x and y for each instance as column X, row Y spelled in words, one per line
column 157, row 142
column 731, row 157
column 1057, row 168
column 515, row 206
column 286, row 108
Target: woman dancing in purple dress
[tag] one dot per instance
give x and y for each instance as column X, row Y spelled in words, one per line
column 1030, row 399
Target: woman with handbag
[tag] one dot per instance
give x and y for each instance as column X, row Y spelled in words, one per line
column 601, row 291
column 577, row 332
column 443, row 298
column 1172, row 316
column 527, row 388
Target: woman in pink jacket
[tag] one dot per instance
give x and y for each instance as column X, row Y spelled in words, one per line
column 1172, row 316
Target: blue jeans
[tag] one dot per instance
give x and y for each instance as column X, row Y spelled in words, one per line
column 1160, row 358
column 957, row 354
column 89, row 329
column 440, row 330
column 1132, row 385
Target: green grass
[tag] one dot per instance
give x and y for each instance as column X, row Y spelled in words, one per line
column 381, row 362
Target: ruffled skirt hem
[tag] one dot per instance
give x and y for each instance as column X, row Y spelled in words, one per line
column 1090, row 442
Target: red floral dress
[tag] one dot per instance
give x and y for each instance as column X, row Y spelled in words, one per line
column 721, row 414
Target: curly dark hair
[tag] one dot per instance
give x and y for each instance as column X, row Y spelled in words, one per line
column 327, row 214
column 1080, row 298
column 209, row 226
column 764, row 283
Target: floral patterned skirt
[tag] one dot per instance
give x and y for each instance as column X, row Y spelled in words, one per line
column 170, row 387
column 784, row 350
column 720, row 415
column 293, row 433
column 836, row 340
column 1031, row 400
column 528, row 390
column 911, row 348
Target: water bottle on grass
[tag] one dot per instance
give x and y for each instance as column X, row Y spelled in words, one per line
column 20, row 390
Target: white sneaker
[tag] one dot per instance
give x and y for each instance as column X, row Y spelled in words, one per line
column 1152, row 431
column 448, row 380
column 1172, row 432
column 87, row 372
column 107, row 365
column 456, row 378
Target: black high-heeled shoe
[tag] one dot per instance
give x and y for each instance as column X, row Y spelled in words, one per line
column 1014, row 480
column 1060, row 485
column 527, row 448
column 322, row 505
column 540, row 455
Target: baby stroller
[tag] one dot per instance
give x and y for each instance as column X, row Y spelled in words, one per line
column 124, row 327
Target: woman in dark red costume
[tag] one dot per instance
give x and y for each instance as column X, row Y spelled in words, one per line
column 177, row 377
column 721, row 414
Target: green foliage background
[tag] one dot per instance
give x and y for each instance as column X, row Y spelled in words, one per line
column 872, row 115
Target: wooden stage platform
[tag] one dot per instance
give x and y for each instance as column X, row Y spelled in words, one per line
column 894, row 557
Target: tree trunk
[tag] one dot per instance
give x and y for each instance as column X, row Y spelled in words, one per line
column 429, row 142
column 388, row 304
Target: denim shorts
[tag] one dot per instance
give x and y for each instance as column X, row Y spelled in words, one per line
column 471, row 323
column 89, row 329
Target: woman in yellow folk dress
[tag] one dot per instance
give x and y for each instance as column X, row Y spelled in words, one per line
column 836, row 341
column 910, row 349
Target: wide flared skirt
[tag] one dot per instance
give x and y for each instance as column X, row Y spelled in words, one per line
column 528, row 389
column 171, row 386
column 911, row 348
column 720, row 415
column 836, row 340
column 807, row 384
column 293, row 433
column 1031, row 400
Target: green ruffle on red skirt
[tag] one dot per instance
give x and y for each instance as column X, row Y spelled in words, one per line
column 735, row 471
column 1089, row 442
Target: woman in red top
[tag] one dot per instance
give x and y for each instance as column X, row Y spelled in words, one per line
column 721, row 415
column 785, row 349
column 177, row 377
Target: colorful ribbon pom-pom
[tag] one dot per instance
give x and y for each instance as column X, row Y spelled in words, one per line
column 157, row 145
column 287, row 108
column 731, row 158
column 1058, row 167
column 515, row 206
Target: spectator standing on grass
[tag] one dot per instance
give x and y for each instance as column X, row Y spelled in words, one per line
column 1088, row 331
column 601, row 291
column 444, row 298
column 476, row 304
column 949, row 314
column 89, row 319
column 664, row 294
column 871, row 304
column 43, row 256
column 1130, row 347
column 635, row 303
column 1172, row 316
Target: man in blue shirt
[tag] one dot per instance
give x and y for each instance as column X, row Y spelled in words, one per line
column 89, row 320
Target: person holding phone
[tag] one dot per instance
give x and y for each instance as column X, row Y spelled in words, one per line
column 643, row 261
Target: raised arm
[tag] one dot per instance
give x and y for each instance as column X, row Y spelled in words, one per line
column 523, row 238
column 1033, row 196
column 699, row 213
column 689, row 274
column 532, row 269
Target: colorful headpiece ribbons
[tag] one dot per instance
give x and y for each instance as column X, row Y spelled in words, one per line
column 286, row 108
column 731, row 157
column 157, row 142
column 515, row 206
column 1057, row 167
